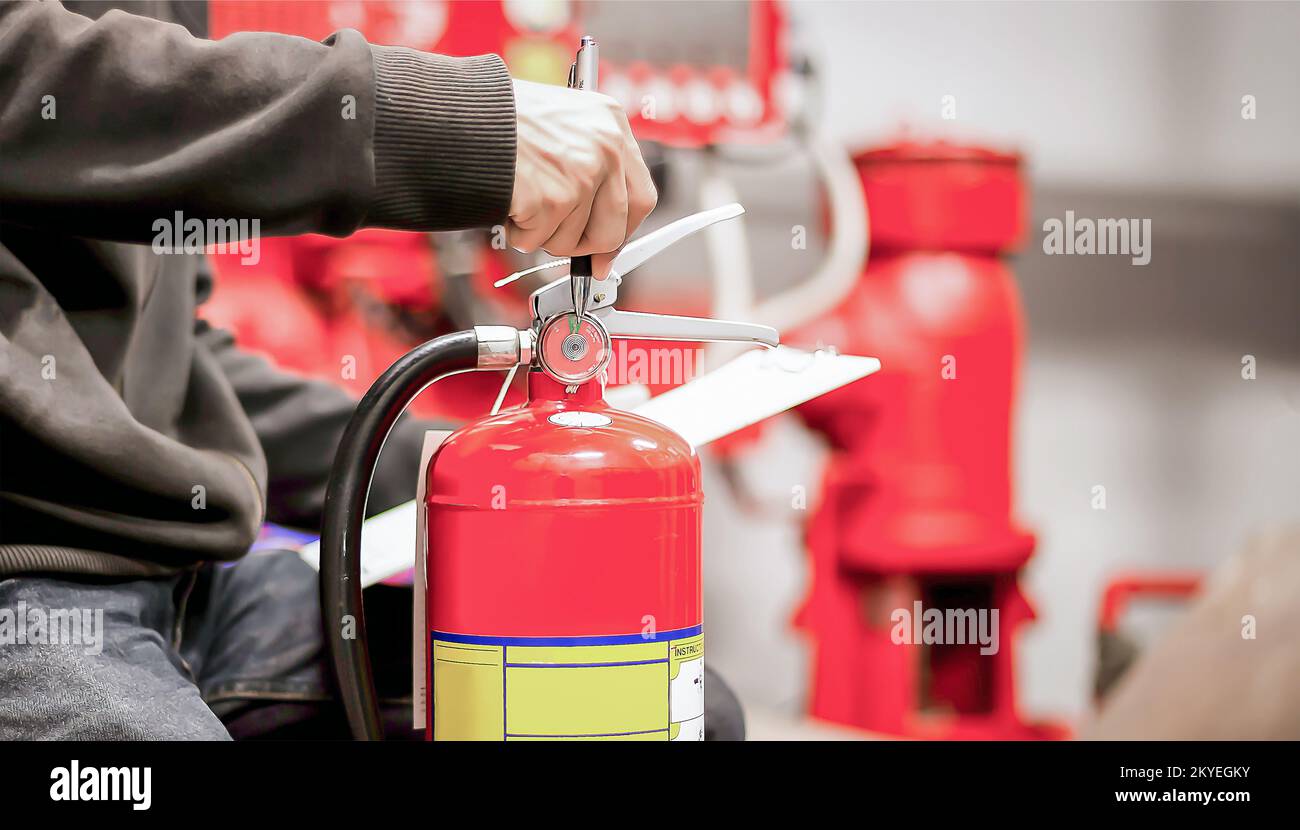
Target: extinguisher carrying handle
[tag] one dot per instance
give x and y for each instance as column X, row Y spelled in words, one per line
column 491, row 348
column 638, row 325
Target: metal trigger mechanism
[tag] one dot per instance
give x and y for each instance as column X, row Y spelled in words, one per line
column 575, row 349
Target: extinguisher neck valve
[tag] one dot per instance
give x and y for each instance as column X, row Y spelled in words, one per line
column 542, row 387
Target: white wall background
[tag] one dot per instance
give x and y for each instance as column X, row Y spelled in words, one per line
column 1124, row 94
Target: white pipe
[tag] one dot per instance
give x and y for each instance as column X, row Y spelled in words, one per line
column 849, row 246
column 729, row 263
column 728, row 248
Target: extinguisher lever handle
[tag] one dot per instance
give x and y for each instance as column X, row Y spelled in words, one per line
column 637, row 252
column 557, row 297
column 637, row 325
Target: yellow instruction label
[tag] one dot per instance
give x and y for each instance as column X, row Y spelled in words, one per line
column 576, row 688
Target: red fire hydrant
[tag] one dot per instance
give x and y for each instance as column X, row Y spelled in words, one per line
column 917, row 498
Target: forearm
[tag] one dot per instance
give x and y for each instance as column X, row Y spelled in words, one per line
column 107, row 126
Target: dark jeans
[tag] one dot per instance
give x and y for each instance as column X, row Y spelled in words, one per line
column 228, row 651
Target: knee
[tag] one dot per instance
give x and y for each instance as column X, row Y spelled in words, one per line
column 62, row 693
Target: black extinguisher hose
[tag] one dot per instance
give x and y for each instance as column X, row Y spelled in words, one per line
column 342, row 613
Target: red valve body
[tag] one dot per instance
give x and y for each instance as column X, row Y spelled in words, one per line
column 917, row 495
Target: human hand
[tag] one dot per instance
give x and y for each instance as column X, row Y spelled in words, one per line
column 581, row 186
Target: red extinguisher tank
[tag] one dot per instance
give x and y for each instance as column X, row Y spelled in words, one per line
column 563, row 569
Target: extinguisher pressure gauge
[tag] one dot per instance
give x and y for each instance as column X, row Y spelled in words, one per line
column 573, row 349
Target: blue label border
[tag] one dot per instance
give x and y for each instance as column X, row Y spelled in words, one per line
column 613, row 640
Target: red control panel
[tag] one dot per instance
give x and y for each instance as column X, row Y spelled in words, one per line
column 688, row 74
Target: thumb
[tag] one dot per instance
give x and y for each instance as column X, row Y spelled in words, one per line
column 600, row 264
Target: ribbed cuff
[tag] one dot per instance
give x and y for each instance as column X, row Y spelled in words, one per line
column 444, row 141
column 47, row 559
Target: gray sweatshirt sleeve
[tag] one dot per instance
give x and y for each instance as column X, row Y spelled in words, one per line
column 109, row 125
column 298, row 423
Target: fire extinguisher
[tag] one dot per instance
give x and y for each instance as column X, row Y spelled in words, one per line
column 562, row 552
